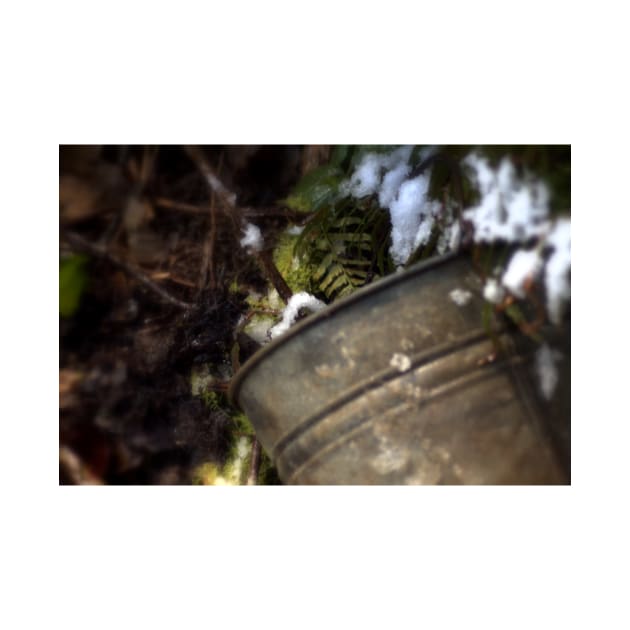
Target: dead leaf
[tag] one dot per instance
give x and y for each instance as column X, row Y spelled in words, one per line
column 77, row 199
column 68, row 380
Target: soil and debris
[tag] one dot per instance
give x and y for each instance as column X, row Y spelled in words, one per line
column 152, row 286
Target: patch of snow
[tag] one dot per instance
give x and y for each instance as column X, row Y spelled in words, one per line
column 558, row 270
column 412, row 214
column 366, row 179
column 524, row 265
column 510, row 209
column 391, row 183
column 461, row 297
column 547, row 371
column 516, row 210
column 290, row 313
column 493, row 291
column 400, row 361
column 252, row 238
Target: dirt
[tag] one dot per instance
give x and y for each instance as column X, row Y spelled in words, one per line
column 164, row 291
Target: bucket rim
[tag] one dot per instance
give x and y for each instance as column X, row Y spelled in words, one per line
column 330, row 310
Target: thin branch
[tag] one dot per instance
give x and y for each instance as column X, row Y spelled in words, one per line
column 274, row 276
column 190, row 208
column 81, row 244
column 74, row 469
column 228, row 200
column 248, row 213
column 254, row 467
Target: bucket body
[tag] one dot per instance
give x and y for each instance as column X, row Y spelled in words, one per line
column 394, row 385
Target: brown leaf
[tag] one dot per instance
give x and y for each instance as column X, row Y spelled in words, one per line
column 77, row 199
column 137, row 212
column 68, row 380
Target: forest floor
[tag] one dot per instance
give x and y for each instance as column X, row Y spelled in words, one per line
column 152, row 286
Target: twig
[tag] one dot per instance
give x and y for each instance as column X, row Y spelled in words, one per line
column 171, row 204
column 254, row 467
column 210, row 243
column 228, row 200
column 207, row 275
column 274, row 276
column 79, row 243
column 75, row 469
column 248, row 213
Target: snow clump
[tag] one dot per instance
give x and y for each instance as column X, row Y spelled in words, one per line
column 252, row 238
column 493, row 292
column 548, row 377
column 523, row 265
column 515, row 210
column 461, row 297
column 412, row 213
column 292, row 309
column 510, row 209
column 558, row 270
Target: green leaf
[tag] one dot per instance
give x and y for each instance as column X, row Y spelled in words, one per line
column 340, row 154
column 334, row 273
column 341, row 283
column 356, row 262
column 322, row 270
column 316, row 189
column 72, row 281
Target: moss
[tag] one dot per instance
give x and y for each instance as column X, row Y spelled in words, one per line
column 258, row 327
column 242, row 424
column 235, row 468
column 205, row 474
column 316, row 189
column 298, row 272
column 267, row 473
column 73, row 279
column 213, row 400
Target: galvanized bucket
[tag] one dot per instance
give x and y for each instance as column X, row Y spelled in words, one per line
column 393, row 386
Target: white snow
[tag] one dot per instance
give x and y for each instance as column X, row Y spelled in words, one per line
column 510, row 209
column 412, row 214
column 524, row 264
column 400, row 361
column 252, row 238
column 516, row 210
column 366, row 179
column 547, row 371
column 290, row 313
column 461, row 297
column 493, row 291
column 558, row 270
column 391, row 184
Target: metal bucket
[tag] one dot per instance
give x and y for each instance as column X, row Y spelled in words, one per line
column 392, row 386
